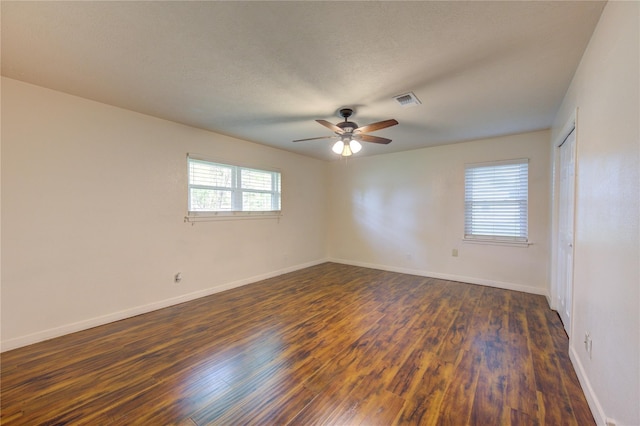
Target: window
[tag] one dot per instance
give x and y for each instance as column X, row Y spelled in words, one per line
column 496, row 201
column 228, row 189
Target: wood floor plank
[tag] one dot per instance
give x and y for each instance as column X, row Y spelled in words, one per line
column 459, row 328
column 490, row 401
column 521, row 385
column 458, row 399
column 272, row 383
column 557, row 405
column 424, row 397
column 567, row 374
column 330, row 344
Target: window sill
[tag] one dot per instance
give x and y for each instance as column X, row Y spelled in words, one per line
column 193, row 217
column 490, row 242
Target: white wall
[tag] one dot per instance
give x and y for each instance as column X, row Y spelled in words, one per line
column 405, row 212
column 93, row 201
column 605, row 89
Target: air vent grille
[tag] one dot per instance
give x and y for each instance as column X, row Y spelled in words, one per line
column 407, row 99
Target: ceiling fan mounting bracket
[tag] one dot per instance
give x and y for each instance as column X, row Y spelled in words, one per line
column 345, row 113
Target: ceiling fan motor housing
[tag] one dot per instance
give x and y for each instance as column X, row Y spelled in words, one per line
column 347, row 126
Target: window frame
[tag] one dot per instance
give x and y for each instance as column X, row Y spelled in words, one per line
column 521, row 239
column 236, row 191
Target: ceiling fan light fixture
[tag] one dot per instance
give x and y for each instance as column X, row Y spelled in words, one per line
column 346, row 151
column 347, row 147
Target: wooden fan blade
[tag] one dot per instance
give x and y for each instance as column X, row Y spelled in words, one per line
column 370, row 138
column 313, row 139
column 376, row 126
column 331, row 126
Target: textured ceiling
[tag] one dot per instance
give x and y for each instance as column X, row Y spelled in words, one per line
column 264, row 71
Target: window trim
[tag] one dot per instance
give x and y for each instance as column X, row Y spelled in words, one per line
column 195, row 216
column 496, row 239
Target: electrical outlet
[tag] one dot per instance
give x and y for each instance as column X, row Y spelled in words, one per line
column 454, row 252
column 588, row 343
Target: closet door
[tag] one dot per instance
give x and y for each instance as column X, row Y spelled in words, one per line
column 566, row 209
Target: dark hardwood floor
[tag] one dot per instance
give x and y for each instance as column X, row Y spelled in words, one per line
column 330, row 344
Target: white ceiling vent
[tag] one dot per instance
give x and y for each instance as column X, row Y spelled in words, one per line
column 407, row 99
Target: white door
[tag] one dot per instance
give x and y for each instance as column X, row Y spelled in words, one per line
column 565, row 229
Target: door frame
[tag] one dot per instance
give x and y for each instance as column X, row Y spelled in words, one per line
column 570, row 125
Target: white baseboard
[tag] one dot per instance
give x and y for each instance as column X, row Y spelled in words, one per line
column 449, row 277
column 592, row 399
column 127, row 313
column 18, row 342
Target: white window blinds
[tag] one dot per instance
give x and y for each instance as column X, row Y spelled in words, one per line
column 496, row 201
column 215, row 187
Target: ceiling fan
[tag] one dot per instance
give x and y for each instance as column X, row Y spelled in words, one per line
column 351, row 135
